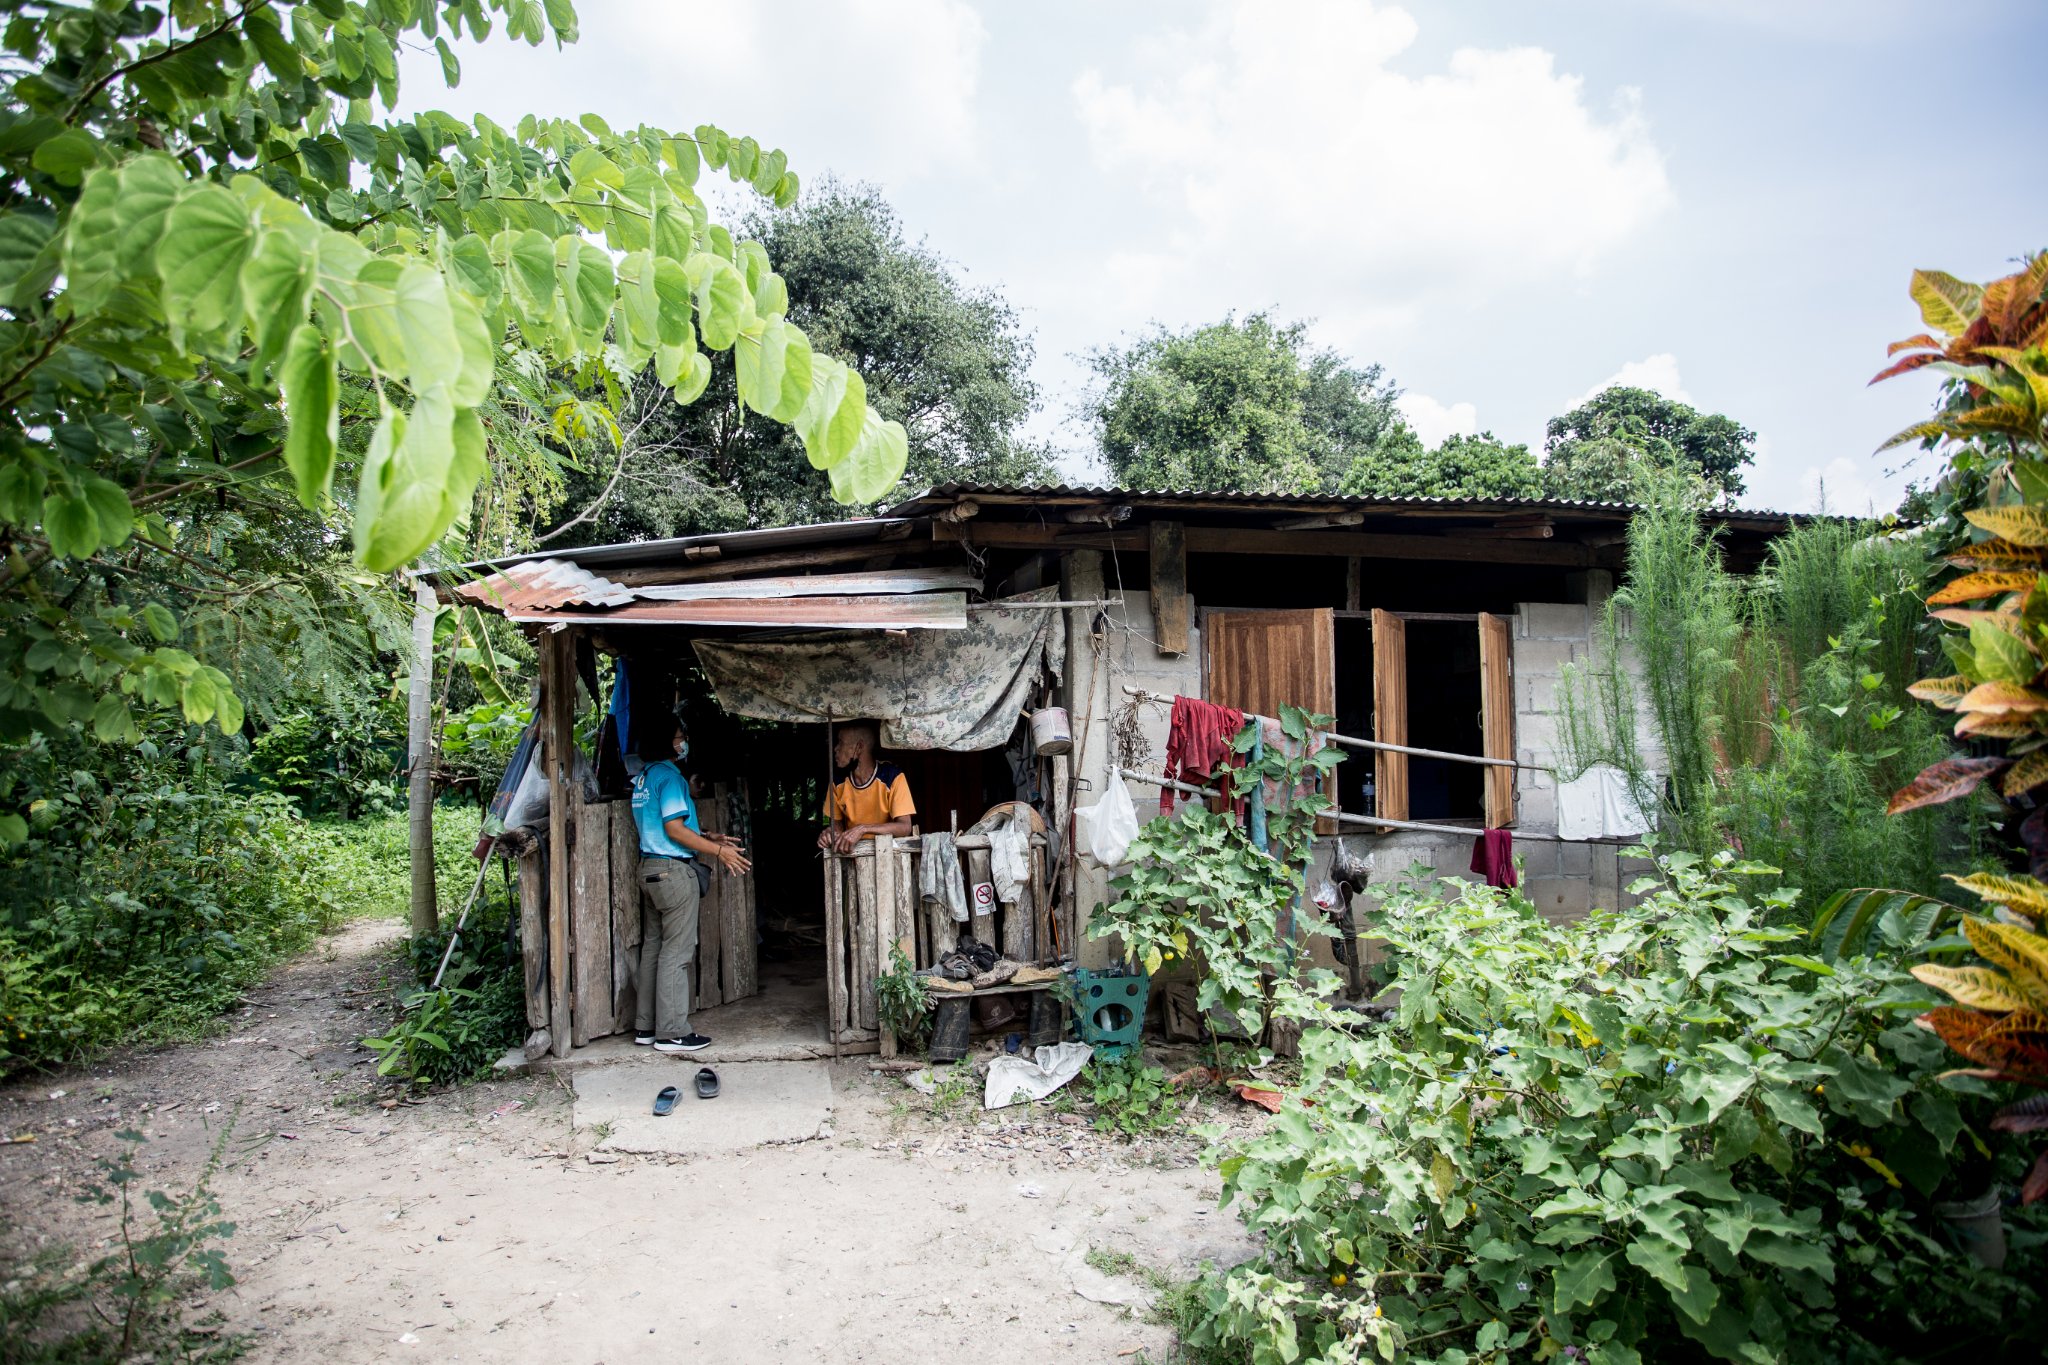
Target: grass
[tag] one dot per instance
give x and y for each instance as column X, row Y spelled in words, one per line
column 371, row 860
column 1176, row 1305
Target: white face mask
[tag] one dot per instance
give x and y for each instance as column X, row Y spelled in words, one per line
column 682, row 749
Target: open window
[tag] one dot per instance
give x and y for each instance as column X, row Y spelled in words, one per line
column 1443, row 682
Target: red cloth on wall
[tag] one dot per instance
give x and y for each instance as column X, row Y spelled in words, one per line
column 1197, row 742
column 1493, row 857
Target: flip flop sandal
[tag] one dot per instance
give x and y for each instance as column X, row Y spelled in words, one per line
column 665, row 1102
column 707, row 1084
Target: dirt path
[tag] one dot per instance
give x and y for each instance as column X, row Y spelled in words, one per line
column 463, row 1227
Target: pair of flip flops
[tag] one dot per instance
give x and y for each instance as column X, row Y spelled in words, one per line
column 707, row 1088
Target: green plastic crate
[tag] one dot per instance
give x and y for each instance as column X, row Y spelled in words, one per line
column 1109, row 1010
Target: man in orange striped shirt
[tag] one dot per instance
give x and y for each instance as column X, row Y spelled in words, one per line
column 873, row 798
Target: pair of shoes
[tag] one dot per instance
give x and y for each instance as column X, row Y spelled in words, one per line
column 644, row 1037
column 707, row 1089
column 689, row 1042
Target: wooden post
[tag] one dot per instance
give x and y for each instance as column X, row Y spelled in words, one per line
column 984, row 925
column 710, row 918
column 590, row 915
column 558, row 684
column 625, row 916
column 1170, row 602
column 866, row 933
column 835, row 949
column 1063, row 819
column 1041, row 930
column 1019, row 915
column 885, row 925
column 533, row 910
column 742, row 964
column 419, row 747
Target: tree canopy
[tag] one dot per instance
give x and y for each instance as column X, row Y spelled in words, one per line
column 229, row 285
column 1605, row 447
column 1481, row 466
column 951, row 363
column 1244, row 406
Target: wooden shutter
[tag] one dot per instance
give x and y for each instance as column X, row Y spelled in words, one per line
column 1258, row 660
column 1390, row 712
column 1497, row 716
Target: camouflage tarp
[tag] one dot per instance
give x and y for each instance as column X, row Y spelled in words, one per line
column 931, row 689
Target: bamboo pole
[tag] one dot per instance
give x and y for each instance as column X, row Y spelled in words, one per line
column 419, row 787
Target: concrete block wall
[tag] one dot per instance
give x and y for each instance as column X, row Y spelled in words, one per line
column 1563, row 880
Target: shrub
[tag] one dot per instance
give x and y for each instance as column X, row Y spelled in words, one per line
column 1650, row 1134
column 457, row 1031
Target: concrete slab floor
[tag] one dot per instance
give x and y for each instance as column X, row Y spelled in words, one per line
column 783, row 1022
column 758, row 1103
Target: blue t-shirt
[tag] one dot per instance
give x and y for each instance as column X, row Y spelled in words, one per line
column 660, row 794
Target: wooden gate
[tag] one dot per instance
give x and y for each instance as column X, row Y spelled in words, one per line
column 872, row 906
column 603, row 920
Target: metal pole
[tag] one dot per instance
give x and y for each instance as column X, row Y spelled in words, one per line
column 483, row 870
column 419, row 796
column 1353, row 742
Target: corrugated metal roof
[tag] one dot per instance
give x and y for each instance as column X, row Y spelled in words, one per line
column 922, row 611
column 709, row 547
column 882, row 582
column 945, row 493
column 538, row 583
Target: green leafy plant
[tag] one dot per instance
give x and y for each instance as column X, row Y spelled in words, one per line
column 1132, row 1099
column 1201, row 888
column 903, row 1002
column 235, row 294
column 1651, row 1134
column 166, row 1246
column 457, row 1032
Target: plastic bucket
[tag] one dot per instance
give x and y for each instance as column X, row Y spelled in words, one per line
column 1049, row 732
column 1978, row 1226
column 950, row 1029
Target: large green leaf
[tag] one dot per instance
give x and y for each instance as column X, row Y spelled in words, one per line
column 70, row 527
column 207, row 237
column 111, row 510
column 876, row 462
column 835, row 413
column 530, row 262
column 1583, row 1278
column 1947, row 304
column 773, row 367
column 2001, row 655
column 311, row 399
column 722, row 305
column 275, row 289
column 151, row 186
column 587, row 288
column 92, row 253
column 66, row 157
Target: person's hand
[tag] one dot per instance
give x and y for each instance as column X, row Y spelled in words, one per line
column 825, row 840
column 849, row 838
column 733, row 859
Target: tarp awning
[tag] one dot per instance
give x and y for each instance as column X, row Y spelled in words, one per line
column 960, row 690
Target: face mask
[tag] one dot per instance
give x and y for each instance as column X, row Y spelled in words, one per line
column 682, row 749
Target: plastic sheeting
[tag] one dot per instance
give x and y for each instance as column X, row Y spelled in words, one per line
column 960, row 690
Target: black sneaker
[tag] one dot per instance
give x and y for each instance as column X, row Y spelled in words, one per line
column 689, row 1042
column 645, row 1038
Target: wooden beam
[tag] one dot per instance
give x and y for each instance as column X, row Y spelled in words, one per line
column 590, row 920
column 625, row 917
column 533, row 895
column 885, row 865
column 1171, row 607
column 1449, row 547
column 1373, row 545
column 759, row 564
column 1319, row 523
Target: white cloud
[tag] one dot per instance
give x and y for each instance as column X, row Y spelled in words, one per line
column 1844, row 487
column 1298, row 156
column 884, row 90
column 1433, row 421
column 1657, row 373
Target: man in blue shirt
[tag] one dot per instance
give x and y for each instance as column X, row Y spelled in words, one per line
column 670, row 845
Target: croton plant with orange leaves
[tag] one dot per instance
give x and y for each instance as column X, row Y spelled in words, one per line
column 1992, row 340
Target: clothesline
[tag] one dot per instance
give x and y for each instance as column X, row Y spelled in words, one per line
column 1352, row 742
column 1341, row 817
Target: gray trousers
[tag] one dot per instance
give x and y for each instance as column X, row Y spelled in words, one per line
column 668, row 947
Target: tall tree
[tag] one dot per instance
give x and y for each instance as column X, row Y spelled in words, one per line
column 948, row 361
column 1481, row 466
column 1604, row 448
column 225, row 283
column 1243, row 406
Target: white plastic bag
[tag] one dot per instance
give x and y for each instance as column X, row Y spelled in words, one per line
column 1104, row 830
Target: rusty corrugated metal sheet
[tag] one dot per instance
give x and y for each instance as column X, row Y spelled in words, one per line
column 883, row 581
column 927, row 611
column 543, row 583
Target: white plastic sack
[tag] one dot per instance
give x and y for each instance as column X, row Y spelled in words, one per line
column 1104, row 830
column 1012, row 1078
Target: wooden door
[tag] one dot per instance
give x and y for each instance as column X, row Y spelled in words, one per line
column 1260, row 660
column 1390, row 713
column 1497, row 716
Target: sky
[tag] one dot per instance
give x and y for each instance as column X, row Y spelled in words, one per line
column 1507, row 204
